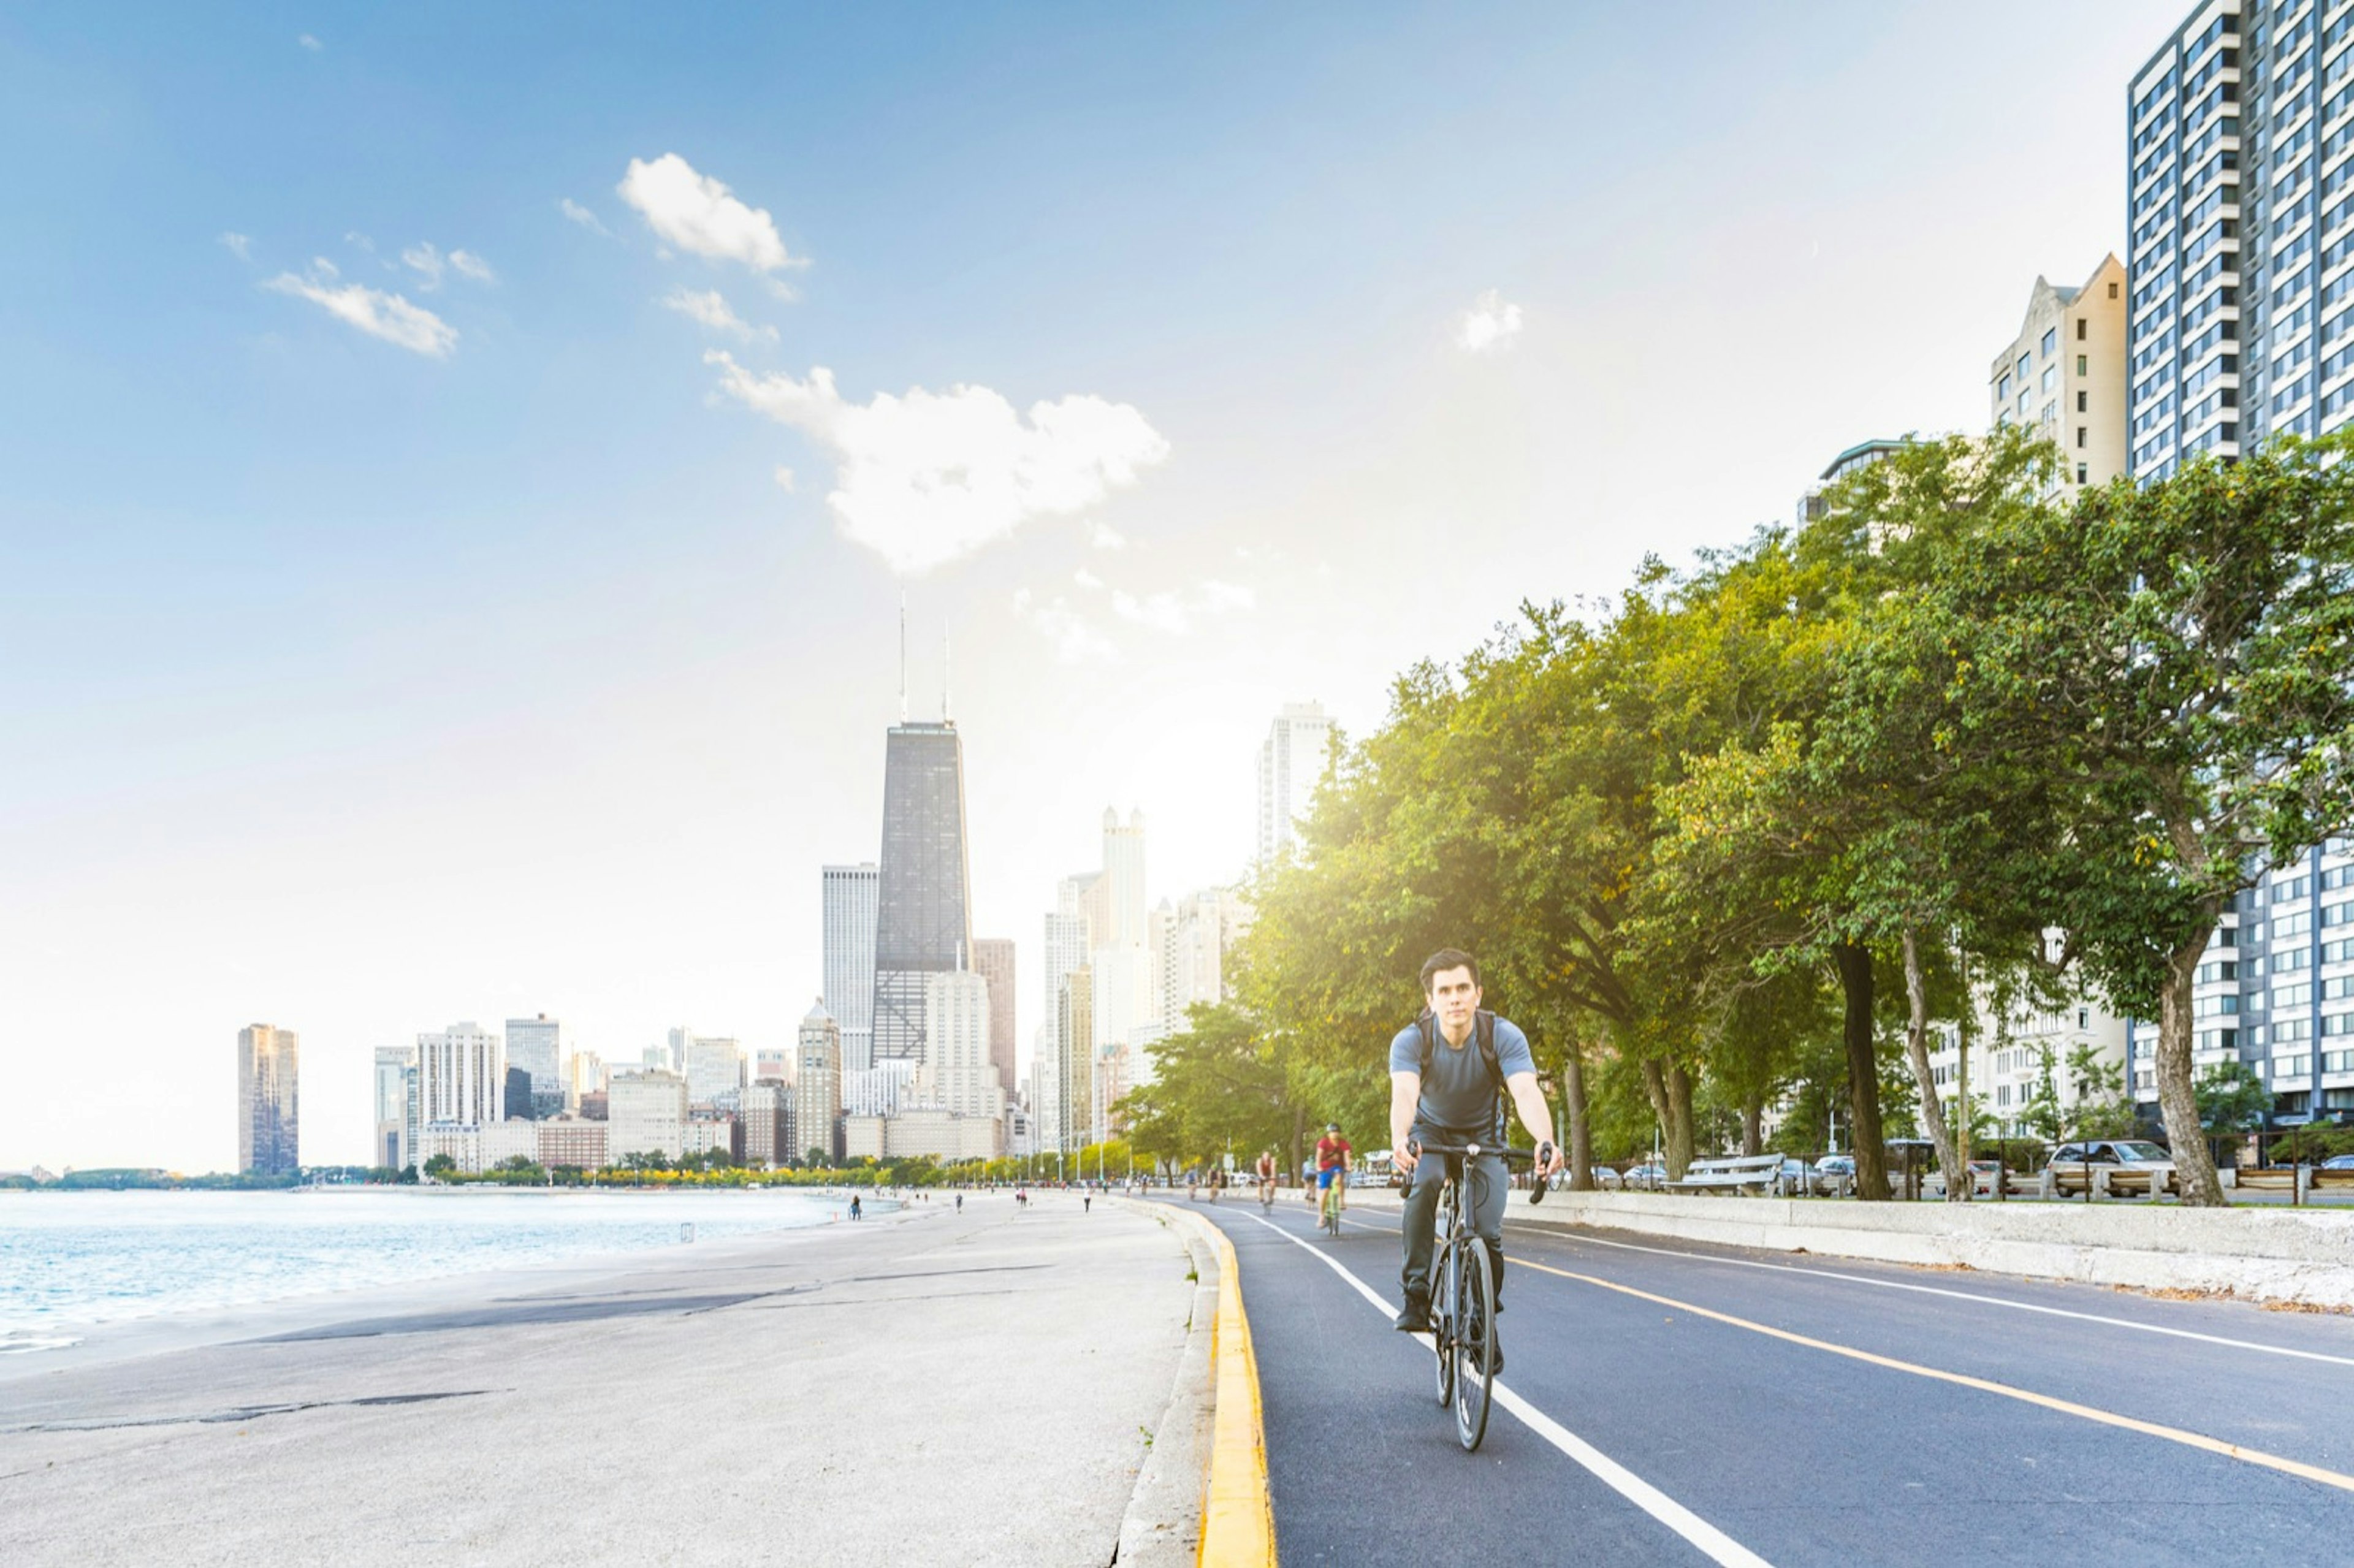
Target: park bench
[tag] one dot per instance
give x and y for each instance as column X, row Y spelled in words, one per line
column 1729, row 1173
column 2282, row 1179
column 2068, row 1179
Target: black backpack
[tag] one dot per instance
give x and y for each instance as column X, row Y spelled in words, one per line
column 1483, row 1030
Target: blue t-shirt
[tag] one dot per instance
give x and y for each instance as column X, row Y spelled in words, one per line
column 1458, row 1097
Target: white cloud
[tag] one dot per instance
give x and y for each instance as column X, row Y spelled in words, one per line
column 1104, row 537
column 1492, row 322
column 927, row 477
column 429, row 262
column 1087, row 579
column 310, row 43
column 1075, row 642
column 240, row 245
column 784, row 479
column 582, row 215
column 698, row 213
column 373, row 311
column 1176, row 612
column 714, row 312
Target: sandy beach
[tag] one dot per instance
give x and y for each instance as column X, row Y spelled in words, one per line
column 920, row 1387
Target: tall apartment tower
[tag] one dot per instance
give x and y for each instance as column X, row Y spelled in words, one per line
column 2064, row 375
column 1290, row 765
column 2241, row 328
column 1189, row 950
column 461, row 1076
column 2240, row 307
column 817, row 1086
column 536, row 1045
column 993, row 957
column 922, row 920
column 847, row 918
column 395, row 1107
column 269, row 1119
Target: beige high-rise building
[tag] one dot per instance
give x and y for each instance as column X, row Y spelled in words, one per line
column 993, row 958
column 1290, row 765
column 817, row 1087
column 1072, row 1114
column 767, row 1121
column 645, row 1113
column 2064, row 375
column 957, row 1075
column 269, row 1109
column 461, row 1076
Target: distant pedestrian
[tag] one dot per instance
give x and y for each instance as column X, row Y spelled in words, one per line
column 855, row 1212
column 959, row 1202
column 1086, row 1202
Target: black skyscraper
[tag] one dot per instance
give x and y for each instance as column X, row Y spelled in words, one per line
column 922, row 920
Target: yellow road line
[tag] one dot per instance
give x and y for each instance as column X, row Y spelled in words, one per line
column 1237, row 1517
column 2028, row 1397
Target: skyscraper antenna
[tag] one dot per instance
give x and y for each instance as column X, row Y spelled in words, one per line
column 903, row 655
column 944, row 675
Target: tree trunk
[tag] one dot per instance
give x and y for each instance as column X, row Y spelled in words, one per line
column 1581, row 1132
column 1753, row 1128
column 1960, row 1186
column 1675, row 1118
column 1862, row 1073
column 2178, row 1102
column 1298, row 1138
column 1679, row 1123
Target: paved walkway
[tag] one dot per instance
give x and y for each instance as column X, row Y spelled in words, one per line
column 925, row 1388
column 1673, row 1403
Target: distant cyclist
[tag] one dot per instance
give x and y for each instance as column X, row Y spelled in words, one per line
column 1446, row 1070
column 1333, row 1152
column 1267, row 1179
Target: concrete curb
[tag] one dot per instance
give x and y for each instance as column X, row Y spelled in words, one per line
column 1162, row 1527
column 1238, row 1516
column 2295, row 1257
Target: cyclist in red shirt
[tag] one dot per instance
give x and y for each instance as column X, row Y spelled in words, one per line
column 1333, row 1152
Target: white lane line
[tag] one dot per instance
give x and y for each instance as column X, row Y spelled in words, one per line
column 1713, row 1542
column 1951, row 1294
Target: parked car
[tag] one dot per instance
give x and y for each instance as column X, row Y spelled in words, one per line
column 1982, row 1175
column 1606, row 1179
column 2338, row 1162
column 1797, row 1178
column 1836, row 1165
column 2070, row 1161
column 1646, row 1175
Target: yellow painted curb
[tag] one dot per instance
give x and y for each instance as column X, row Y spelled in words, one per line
column 1237, row 1518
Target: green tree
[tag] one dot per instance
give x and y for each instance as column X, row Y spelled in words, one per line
column 2179, row 655
column 441, row 1167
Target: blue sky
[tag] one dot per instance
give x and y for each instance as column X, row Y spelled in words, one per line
column 362, row 689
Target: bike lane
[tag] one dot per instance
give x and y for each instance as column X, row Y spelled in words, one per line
column 1823, row 1423
column 1362, row 1462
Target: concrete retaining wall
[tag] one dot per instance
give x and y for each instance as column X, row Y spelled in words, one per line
column 2299, row 1256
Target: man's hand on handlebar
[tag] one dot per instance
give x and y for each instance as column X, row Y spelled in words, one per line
column 1405, row 1153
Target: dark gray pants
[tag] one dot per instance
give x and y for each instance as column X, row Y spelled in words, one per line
column 1485, row 1185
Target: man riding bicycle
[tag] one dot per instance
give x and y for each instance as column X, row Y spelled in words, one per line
column 1333, row 1152
column 1446, row 1069
column 1265, row 1172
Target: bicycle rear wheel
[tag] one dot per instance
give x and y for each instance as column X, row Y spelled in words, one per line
column 1475, row 1343
column 1441, row 1331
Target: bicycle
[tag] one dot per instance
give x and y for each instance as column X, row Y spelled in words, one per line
column 1463, row 1292
column 1267, row 1193
column 1329, row 1215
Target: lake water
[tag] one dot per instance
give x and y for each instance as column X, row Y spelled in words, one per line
column 70, row 1261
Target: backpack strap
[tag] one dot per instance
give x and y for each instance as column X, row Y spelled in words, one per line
column 1483, row 1030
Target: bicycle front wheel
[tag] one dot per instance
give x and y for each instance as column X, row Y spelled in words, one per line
column 1474, row 1343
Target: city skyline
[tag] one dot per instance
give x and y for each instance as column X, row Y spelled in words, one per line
column 566, row 686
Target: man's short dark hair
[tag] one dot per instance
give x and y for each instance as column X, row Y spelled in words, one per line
column 1449, row 958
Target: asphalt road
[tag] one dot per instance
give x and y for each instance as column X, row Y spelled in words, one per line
column 1669, row 1403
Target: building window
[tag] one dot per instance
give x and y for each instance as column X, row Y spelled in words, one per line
column 2079, row 329
column 2084, row 474
column 2080, row 435
column 2113, row 290
column 2002, row 388
column 2080, row 402
column 2050, row 341
column 2080, row 365
column 2026, row 364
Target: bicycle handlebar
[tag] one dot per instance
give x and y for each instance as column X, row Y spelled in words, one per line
column 1542, row 1151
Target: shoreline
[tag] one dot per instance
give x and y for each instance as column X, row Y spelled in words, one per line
column 96, row 1344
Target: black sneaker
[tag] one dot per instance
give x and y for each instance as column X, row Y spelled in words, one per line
column 1416, row 1316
